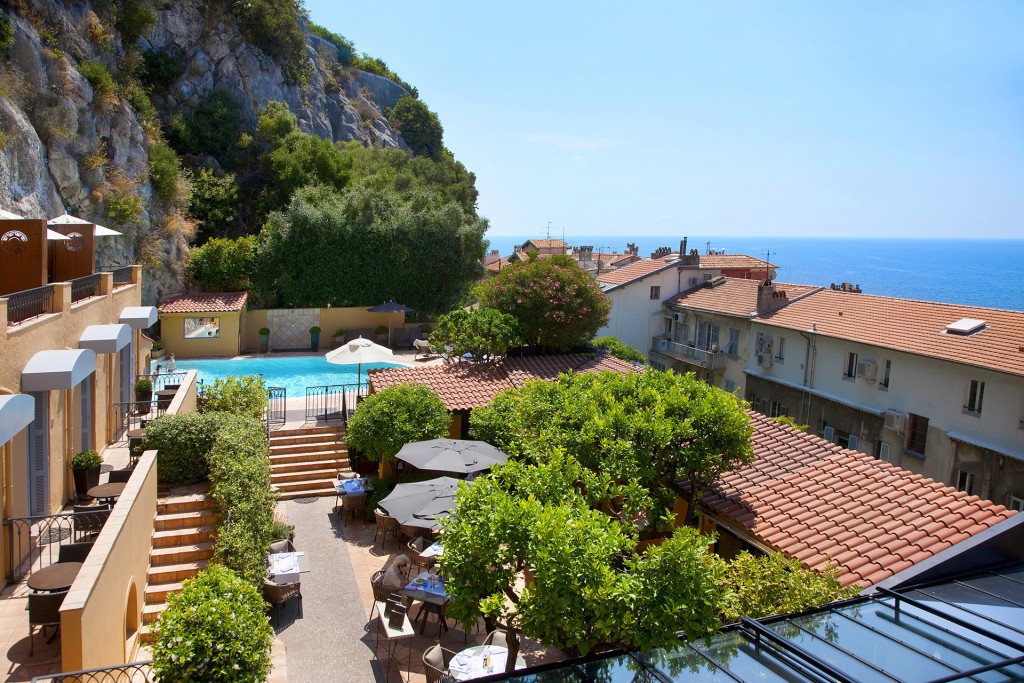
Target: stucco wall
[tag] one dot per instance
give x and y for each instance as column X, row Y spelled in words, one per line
column 635, row 317
column 331, row 320
column 228, row 344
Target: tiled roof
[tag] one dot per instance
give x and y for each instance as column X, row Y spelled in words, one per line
column 822, row 504
column 633, row 272
column 548, row 244
column 734, row 296
column 208, row 302
column 464, row 386
column 911, row 326
column 499, row 264
column 732, row 261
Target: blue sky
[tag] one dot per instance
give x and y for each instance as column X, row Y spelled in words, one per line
column 758, row 118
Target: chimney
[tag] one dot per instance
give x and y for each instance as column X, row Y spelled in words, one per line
column 769, row 298
column 632, row 249
column 661, row 251
column 682, row 247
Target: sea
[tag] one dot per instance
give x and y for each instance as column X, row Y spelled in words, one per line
column 974, row 272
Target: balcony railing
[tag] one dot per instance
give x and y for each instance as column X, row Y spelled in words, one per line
column 709, row 360
column 122, row 276
column 34, row 542
column 29, row 304
column 136, row 672
column 333, row 402
column 85, row 287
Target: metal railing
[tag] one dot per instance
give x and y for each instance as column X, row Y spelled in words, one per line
column 277, row 404
column 122, row 276
column 85, row 287
column 333, row 401
column 34, row 542
column 28, row 304
column 709, row 360
column 136, row 415
column 136, row 672
column 164, row 380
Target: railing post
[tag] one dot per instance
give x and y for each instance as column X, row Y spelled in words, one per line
column 106, row 284
column 61, row 297
column 3, row 319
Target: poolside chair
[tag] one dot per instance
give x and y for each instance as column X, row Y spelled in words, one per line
column 422, row 348
column 386, row 524
column 435, row 663
column 43, row 611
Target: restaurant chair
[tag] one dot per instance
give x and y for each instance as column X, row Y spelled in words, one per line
column 351, row 504
column 119, row 476
column 435, row 663
column 417, row 546
column 386, row 524
column 409, row 532
column 89, row 519
column 497, row 637
column 73, row 552
column 43, row 611
column 285, row 546
column 278, row 594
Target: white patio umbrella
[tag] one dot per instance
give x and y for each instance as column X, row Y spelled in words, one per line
column 50, row 234
column 359, row 351
column 68, row 219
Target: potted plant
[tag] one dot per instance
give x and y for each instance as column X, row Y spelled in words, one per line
column 85, row 467
column 143, row 390
column 381, row 332
column 314, row 338
column 158, row 349
column 264, row 339
column 339, row 336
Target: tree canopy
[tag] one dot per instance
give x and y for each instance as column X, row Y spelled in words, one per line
column 482, row 332
column 558, row 305
column 223, row 265
column 420, row 127
column 398, row 415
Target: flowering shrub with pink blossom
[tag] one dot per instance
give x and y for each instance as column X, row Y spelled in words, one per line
column 558, row 305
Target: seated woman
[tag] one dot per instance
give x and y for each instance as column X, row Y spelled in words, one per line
column 397, row 575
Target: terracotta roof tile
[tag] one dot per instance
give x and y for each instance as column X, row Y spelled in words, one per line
column 911, row 326
column 633, row 272
column 205, row 302
column 733, row 261
column 734, row 296
column 874, row 527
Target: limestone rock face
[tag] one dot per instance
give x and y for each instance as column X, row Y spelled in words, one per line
column 65, row 147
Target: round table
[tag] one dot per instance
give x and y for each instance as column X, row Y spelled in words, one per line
column 56, row 577
column 107, row 491
column 474, row 656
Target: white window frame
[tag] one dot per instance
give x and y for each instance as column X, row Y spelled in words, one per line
column 1015, row 503
column 780, row 353
column 850, row 368
column 964, row 482
column 975, row 397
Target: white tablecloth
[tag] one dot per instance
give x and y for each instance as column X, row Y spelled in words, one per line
column 284, row 567
column 477, row 661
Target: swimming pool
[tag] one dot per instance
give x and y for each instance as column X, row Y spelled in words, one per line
column 294, row 373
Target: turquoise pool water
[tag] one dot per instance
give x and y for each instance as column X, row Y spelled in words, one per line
column 294, row 373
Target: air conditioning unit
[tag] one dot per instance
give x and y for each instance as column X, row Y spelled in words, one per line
column 866, row 369
column 663, row 344
column 894, row 421
column 765, row 360
column 764, row 343
column 679, row 317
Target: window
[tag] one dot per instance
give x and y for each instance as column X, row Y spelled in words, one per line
column 707, row 336
column 975, row 394
column 917, row 434
column 964, row 482
column 884, row 383
column 202, row 328
column 1016, row 503
column 850, row 371
column 733, row 347
column 780, row 354
column 775, row 409
column 730, row 386
column 655, row 292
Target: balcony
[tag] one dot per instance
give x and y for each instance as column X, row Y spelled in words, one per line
column 709, row 360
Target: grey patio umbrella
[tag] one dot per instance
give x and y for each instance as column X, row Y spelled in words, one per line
column 451, row 455
column 420, row 503
column 390, row 307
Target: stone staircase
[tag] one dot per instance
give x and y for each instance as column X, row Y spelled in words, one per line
column 305, row 461
column 182, row 544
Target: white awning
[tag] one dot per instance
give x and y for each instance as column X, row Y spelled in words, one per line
column 58, row 369
column 106, row 338
column 972, row 440
column 54, row 235
column 16, row 413
column 139, row 317
column 68, row 219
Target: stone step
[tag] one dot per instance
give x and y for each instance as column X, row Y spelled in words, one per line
column 184, row 520
column 184, row 536
column 279, row 478
column 327, row 437
column 151, row 611
column 162, row 557
column 308, row 457
column 321, row 491
column 190, row 503
column 306, row 448
column 285, row 432
column 174, row 572
column 335, row 464
column 157, row 593
column 147, row 634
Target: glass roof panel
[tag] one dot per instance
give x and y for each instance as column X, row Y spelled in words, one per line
column 622, row 669
column 746, row 661
column 987, row 611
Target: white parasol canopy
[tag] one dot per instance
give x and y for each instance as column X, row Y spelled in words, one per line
column 50, row 234
column 359, row 351
column 68, row 219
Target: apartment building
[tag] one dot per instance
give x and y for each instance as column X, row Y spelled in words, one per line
column 937, row 389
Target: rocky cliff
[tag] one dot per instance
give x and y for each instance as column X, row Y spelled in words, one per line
column 70, row 146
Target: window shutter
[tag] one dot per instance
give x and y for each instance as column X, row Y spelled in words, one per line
column 39, row 456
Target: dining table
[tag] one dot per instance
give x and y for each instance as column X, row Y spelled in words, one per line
column 107, row 492
column 481, row 660
column 428, row 588
column 56, row 577
column 286, row 567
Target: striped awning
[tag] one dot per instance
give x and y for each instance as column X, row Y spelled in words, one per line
column 57, row 369
column 16, row 413
column 106, row 338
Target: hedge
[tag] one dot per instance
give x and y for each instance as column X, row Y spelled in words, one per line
column 182, row 443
